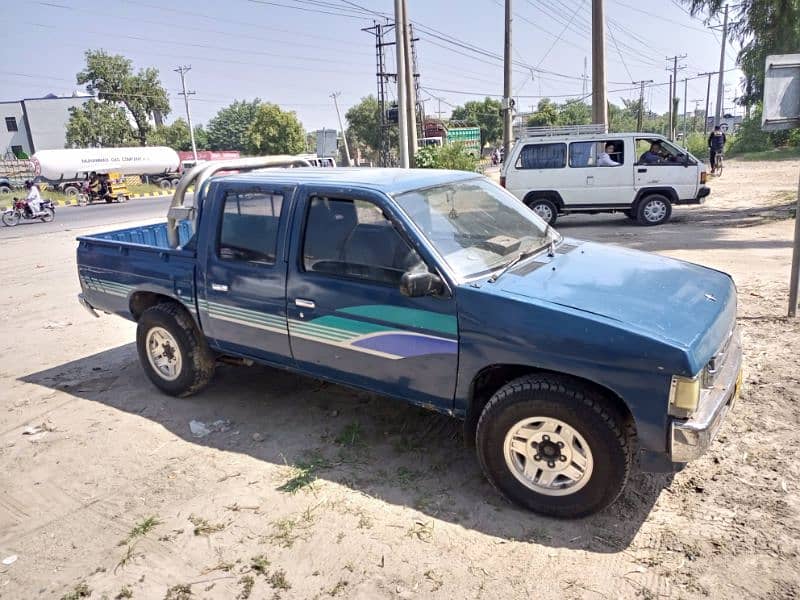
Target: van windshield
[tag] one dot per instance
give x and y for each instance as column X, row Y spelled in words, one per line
column 475, row 226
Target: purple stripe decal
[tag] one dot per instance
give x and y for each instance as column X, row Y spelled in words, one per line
column 406, row 345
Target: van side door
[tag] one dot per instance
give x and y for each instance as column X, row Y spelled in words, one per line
column 599, row 170
column 539, row 166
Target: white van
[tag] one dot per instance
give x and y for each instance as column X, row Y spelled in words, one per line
column 563, row 170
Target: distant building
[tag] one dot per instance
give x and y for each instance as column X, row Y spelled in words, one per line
column 36, row 123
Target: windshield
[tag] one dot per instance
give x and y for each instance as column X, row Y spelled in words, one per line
column 475, row 226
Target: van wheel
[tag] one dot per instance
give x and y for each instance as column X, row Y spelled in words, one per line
column 544, row 208
column 551, row 445
column 654, row 209
column 173, row 353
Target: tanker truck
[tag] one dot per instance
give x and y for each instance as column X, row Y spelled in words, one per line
column 67, row 170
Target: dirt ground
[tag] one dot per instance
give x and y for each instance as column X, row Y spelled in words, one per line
column 308, row 490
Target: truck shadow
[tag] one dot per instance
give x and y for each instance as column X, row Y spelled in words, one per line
column 384, row 449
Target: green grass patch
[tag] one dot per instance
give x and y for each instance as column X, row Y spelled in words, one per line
column 791, row 153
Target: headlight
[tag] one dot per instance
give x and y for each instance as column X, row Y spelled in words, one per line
column 684, row 395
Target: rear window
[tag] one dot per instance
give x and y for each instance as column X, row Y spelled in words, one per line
column 249, row 230
column 542, row 156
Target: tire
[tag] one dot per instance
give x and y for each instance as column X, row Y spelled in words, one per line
column 122, row 198
column 720, row 165
column 175, row 182
column 653, row 209
column 544, row 208
column 600, row 452
column 187, row 364
column 4, row 189
column 72, row 191
column 11, row 219
column 165, row 184
column 50, row 216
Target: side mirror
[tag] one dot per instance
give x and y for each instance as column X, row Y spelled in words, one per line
column 420, row 283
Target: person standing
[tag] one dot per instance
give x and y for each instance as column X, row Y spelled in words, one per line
column 716, row 145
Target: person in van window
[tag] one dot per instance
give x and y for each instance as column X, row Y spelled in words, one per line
column 605, row 160
column 653, row 156
column 716, row 144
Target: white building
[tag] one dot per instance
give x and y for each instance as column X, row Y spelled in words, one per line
column 36, row 123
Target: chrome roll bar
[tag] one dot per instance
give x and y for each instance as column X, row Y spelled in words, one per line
column 201, row 173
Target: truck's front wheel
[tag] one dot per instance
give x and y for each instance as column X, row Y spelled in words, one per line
column 173, row 353
column 552, row 445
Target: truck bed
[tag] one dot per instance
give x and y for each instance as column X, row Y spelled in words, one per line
column 115, row 265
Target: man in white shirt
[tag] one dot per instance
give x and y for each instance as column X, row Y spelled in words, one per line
column 34, row 198
column 604, row 160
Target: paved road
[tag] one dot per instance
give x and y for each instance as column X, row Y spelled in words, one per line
column 96, row 215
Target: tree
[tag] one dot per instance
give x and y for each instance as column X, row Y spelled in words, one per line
column 574, row 112
column 546, row 114
column 364, row 122
column 229, row 129
column 762, row 27
column 274, row 131
column 112, row 77
column 176, row 136
column 484, row 114
column 98, row 124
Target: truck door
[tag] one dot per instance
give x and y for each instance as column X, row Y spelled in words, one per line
column 242, row 290
column 670, row 171
column 348, row 320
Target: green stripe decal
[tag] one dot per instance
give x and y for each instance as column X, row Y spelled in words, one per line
column 409, row 317
column 357, row 327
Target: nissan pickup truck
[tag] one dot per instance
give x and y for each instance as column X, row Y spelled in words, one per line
column 568, row 361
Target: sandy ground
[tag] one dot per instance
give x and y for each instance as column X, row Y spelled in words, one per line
column 308, row 490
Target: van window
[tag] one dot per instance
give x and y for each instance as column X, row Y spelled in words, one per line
column 590, row 153
column 249, row 229
column 542, row 156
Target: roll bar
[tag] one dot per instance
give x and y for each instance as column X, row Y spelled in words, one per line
column 203, row 171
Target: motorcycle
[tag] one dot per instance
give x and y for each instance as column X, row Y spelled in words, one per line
column 20, row 211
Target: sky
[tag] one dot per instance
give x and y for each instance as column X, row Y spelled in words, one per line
column 296, row 53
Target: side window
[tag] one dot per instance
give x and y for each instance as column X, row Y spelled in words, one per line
column 352, row 238
column 542, row 156
column 249, row 228
column 11, row 124
column 597, row 153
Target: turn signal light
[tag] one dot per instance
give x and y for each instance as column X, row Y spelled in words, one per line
column 703, row 177
column 503, row 181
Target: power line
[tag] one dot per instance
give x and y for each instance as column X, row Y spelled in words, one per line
column 560, row 35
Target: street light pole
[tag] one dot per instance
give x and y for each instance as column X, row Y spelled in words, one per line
column 599, row 87
column 183, row 70
column 402, row 113
column 335, row 96
column 507, row 83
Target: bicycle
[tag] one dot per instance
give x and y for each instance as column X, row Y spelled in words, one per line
column 718, row 164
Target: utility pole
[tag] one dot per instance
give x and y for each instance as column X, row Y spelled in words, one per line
column 183, row 70
column 720, row 81
column 599, row 88
column 585, row 75
column 507, row 102
column 335, row 96
column 685, row 94
column 673, row 92
column 402, row 113
column 640, row 116
column 708, row 96
column 411, row 92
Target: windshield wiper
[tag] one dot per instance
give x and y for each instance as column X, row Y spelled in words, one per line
column 520, row 257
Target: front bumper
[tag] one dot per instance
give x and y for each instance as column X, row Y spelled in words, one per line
column 689, row 439
column 702, row 193
column 85, row 304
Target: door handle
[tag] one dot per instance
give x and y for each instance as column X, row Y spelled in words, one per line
column 304, row 303
column 219, row 287
column 641, row 170
column 590, row 180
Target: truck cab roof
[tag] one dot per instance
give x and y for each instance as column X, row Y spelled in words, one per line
column 389, row 181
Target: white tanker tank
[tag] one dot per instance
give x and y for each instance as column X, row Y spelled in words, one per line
column 64, row 167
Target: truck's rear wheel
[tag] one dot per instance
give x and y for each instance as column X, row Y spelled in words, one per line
column 165, row 184
column 173, row 353
column 553, row 446
column 653, row 209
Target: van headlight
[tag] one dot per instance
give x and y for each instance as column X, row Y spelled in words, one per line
column 684, row 395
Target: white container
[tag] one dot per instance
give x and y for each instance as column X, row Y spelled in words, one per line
column 74, row 164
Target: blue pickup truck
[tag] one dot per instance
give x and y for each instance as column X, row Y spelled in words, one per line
column 568, row 361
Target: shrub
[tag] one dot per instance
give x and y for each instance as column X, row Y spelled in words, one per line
column 451, row 156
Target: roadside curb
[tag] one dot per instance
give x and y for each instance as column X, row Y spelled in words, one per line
column 74, row 201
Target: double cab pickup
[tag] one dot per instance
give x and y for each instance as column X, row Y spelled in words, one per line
column 568, row 361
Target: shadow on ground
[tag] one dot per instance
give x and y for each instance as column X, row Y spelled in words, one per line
column 380, row 447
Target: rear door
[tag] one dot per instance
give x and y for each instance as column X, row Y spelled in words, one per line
column 597, row 183
column 242, row 290
column 538, row 167
column 348, row 320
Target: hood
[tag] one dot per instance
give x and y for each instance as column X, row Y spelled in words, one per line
column 688, row 305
